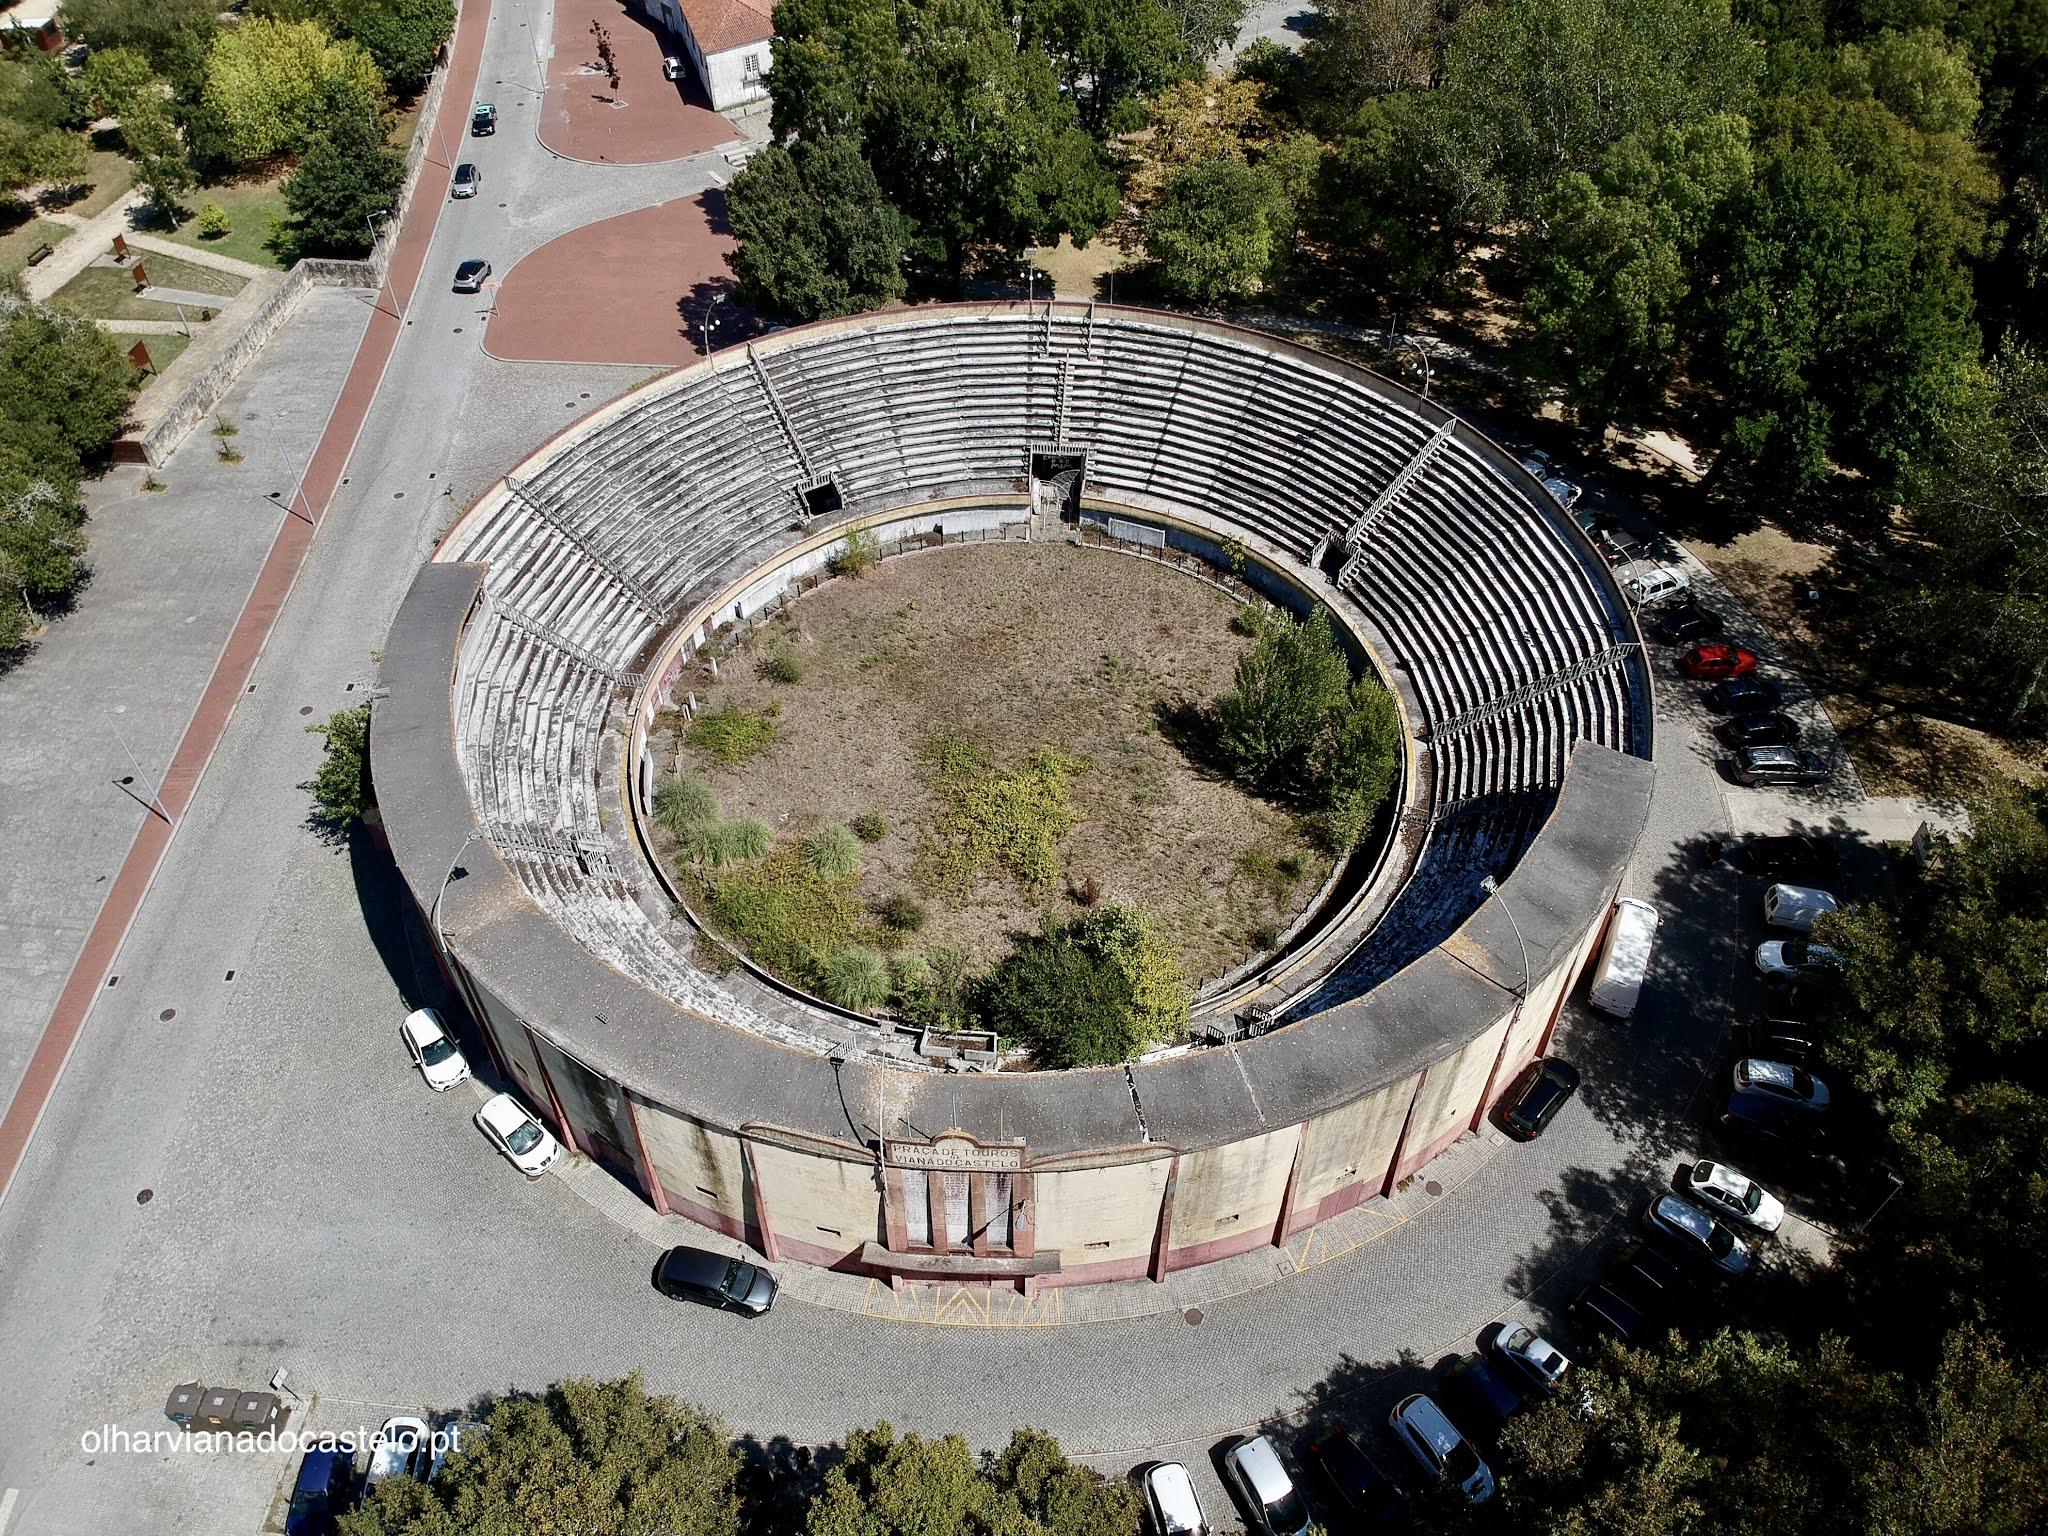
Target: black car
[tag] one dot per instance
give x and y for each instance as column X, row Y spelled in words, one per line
column 1788, row 1040
column 1350, row 1482
column 1536, row 1097
column 1755, row 1122
column 469, row 277
column 712, row 1279
column 326, row 1480
column 1607, row 1309
column 483, row 122
column 1790, row 855
column 1653, row 1275
column 1744, row 695
column 1483, row 1396
column 1760, row 731
column 1780, row 765
column 1682, row 626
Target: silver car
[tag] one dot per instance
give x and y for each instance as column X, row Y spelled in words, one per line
column 1694, row 1231
column 1253, row 1470
column 1433, row 1440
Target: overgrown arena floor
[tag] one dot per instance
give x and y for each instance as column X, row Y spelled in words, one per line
column 1016, row 648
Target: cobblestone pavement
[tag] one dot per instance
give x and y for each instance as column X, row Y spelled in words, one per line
column 311, row 1206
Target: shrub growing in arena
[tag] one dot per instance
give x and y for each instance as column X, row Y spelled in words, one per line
column 855, row 977
column 1098, row 990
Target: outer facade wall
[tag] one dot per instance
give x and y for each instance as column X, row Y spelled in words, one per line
column 1345, row 1154
column 514, row 1047
column 595, row 1109
column 822, row 1208
column 1449, row 1094
column 1228, row 1198
column 702, row 1171
column 1102, row 1220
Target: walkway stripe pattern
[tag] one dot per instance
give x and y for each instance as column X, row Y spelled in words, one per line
column 252, row 628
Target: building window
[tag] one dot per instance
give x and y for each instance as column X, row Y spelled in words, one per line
column 753, row 67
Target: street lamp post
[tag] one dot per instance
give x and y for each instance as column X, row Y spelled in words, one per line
column 434, row 916
column 156, row 800
column 1897, row 1184
column 389, row 286
column 711, row 320
column 1030, row 273
column 1492, row 888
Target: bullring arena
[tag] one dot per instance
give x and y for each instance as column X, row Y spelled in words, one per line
column 532, row 657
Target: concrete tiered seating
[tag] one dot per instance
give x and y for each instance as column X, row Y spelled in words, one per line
column 1478, row 588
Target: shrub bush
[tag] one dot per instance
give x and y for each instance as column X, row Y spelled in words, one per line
column 730, row 736
column 833, row 852
column 782, row 914
column 869, row 826
column 933, row 987
column 338, row 788
column 780, row 665
column 861, row 553
column 213, row 220
column 721, row 844
column 855, row 978
column 1098, row 990
column 681, row 802
column 1008, row 821
column 902, row 912
column 1285, row 688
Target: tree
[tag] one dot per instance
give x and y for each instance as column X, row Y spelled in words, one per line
column 347, row 176
column 582, row 1456
column 403, row 36
column 815, row 236
column 1357, row 762
column 173, row 35
column 1090, row 992
column 152, row 141
column 1362, row 49
column 40, row 112
column 1280, row 701
column 892, row 1484
column 1973, row 602
column 64, row 386
column 968, row 132
column 1620, row 269
column 1219, row 231
column 1112, row 54
column 115, row 78
column 267, row 84
column 339, row 789
column 42, row 550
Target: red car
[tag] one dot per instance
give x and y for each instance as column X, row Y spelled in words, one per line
column 1717, row 661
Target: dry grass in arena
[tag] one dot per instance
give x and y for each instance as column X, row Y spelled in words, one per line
column 1011, row 672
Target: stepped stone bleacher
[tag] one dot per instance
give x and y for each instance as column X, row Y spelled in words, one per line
column 1505, row 635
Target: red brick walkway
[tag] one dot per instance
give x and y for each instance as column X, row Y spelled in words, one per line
column 648, row 119
column 627, row 290
column 252, row 628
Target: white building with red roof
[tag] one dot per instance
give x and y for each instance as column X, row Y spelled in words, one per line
column 726, row 42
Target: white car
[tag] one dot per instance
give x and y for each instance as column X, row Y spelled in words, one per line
column 1730, row 1192
column 1797, row 908
column 523, row 1139
column 1786, row 1084
column 404, row 1447
column 1433, row 1440
column 1695, row 1232
column 1253, row 1470
column 671, row 68
column 1171, row 1502
column 1647, row 585
column 1795, row 959
column 440, row 1063
column 1530, row 1355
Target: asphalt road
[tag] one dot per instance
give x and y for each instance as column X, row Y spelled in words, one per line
column 310, row 1206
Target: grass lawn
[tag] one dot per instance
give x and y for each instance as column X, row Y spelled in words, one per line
column 111, row 176
column 108, row 293
column 22, row 239
column 250, row 206
column 163, row 350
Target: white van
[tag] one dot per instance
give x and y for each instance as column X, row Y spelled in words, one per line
column 1624, row 958
column 1797, row 907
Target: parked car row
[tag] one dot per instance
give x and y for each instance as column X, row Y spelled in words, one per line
column 406, row 1445
column 468, row 180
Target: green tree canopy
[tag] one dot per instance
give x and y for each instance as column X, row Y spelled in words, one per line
column 172, row 34
column 267, row 84
column 1097, row 990
column 968, row 132
column 582, row 1456
column 403, row 36
column 815, row 236
column 347, row 176
column 41, row 109
column 1219, row 230
column 1970, row 593
column 64, row 387
column 892, row 1484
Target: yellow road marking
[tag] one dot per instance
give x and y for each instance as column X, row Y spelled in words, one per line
column 964, row 1306
column 1346, row 1233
